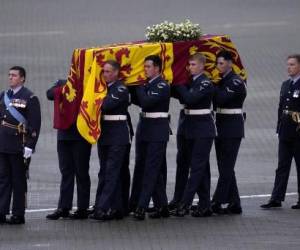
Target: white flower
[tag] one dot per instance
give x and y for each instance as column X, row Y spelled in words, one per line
column 170, row 32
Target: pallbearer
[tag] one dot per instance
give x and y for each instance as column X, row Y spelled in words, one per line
column 229, row 99
column 198, row 132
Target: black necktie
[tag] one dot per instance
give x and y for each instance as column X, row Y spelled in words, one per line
column 10, row 93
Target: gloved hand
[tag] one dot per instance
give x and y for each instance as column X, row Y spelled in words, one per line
column 27, row 152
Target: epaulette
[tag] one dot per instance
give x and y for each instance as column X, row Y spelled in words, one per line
column 122, row 88
column 205, row 82
column 161, row 85
column 237, row 81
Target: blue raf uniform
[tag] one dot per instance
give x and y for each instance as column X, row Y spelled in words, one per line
column 230, row 94
column 288, row 130
column 73, row 157
column 113, row 150
column 153, row 133
column 197, row 130
column 13, row 138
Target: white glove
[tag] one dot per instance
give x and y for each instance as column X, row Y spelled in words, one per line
column 27, row 153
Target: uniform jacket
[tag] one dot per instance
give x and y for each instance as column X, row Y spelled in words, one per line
column 11, row 141
column 116, row 103
column 196, row 95
column 70, row 134
column 230, row 93
column 154, row 97
column 289, row 100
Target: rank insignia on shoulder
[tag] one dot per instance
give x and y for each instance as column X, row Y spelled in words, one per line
column 205, row 82
column 121, row 88
column 237, row 82
column 161, row 85
column 114, row 97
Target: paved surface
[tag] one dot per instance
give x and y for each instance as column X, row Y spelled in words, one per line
column 41, row 35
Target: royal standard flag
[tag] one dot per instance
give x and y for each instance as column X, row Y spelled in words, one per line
column 131, row 59
column 82, row 96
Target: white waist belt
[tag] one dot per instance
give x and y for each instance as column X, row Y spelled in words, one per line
column 197, row 111
column 114, row 117
column 229, row 111
column 155, row 115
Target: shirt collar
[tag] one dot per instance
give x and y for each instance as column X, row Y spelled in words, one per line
column 110, row 84
column 151, row 80
column 296, row 78
column 196, row 76
column 227, row 73
column 17, row 89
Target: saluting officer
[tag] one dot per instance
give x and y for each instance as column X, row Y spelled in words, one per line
column 198, row 132
column 229, row 98
column 73, row 158
column 20, row 122
column 288, row 129
column 113, row 146
column 153, row 133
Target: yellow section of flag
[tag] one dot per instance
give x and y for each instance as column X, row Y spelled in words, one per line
column 131, row 59
column 88, row 120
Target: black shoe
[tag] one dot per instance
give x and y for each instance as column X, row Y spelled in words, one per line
column 217, row 208
column 151, row 209
column 296, row 206
column 16, row 220
column 79, row 214
column 91, row 210
column 181, row 211
column 2, row 218
column 234, row 208
column 59, row 213
column 98, row 215
column 194, row 207
column 139, row 213
column 112, row 214
column 172, row 205
column 161, row 212
column 201, row 212
column 271, row 204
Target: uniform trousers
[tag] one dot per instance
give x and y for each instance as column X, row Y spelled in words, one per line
column 199, row 178
column 153, row 183
column 227, row 151
column 109, row 190
column 12, row 182
column 74, row 157
column 287, row 150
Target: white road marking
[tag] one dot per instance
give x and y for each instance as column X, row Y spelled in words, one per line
column 251, row 24
column 151, row 203
column 33, row 33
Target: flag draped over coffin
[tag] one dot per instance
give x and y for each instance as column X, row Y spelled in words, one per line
column 81, row 98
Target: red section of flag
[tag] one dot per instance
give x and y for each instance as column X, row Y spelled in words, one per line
column 208, row 44
column 66, row 110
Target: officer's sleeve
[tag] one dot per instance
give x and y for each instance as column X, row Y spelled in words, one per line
column 280, row 109
column 194, row 95
column 236, row 88
column 33, row 115
column 151, row 98
column 50, row 92
column 116, row 98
